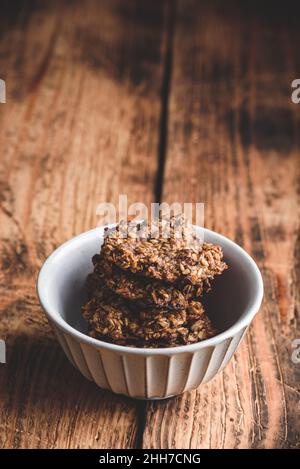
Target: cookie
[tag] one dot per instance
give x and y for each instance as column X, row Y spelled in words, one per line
column 179, row 258
column 111, row 319
column 147, row 292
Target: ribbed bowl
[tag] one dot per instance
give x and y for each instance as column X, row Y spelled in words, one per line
column 147, row 373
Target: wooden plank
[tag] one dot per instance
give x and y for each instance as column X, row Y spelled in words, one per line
column 233, row 144
column 80, row 127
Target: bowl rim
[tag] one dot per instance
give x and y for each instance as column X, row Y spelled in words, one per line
column 56, row 318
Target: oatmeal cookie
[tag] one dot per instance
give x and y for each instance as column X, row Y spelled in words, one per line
column 147, row 292
column 111, row 319
column 174, row 259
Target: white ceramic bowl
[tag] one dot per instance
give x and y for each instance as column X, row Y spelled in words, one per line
column 147, row 373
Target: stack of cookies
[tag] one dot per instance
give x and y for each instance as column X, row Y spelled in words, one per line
column 147, row 284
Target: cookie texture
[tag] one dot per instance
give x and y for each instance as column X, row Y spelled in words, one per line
column 147, row 285
column 143, row 290
column 111, row 319
column 181, row 257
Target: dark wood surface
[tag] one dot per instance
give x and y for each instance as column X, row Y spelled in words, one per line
column 184, row 101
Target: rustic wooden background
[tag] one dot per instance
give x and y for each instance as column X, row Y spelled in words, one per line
column 178, row 101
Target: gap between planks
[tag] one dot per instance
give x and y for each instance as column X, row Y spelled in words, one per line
column 165, row 93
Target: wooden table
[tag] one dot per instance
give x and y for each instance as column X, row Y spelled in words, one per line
column 189, row 102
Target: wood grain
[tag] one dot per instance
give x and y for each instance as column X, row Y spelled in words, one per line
column 233, row 144
column 80, row 127
column 185, row 101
